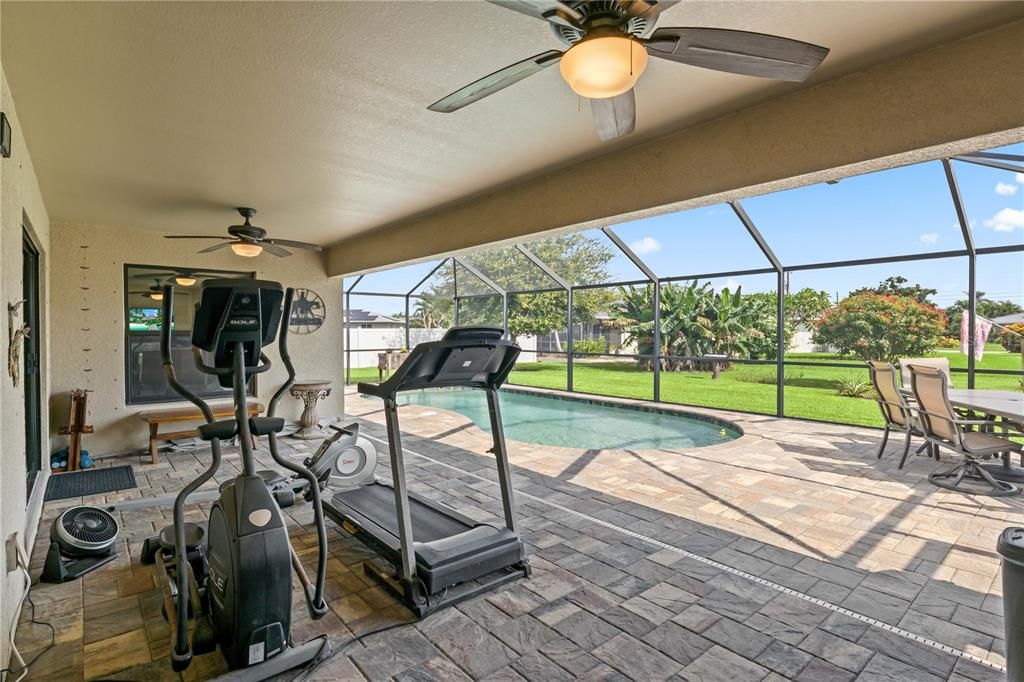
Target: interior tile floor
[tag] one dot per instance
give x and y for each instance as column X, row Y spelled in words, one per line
column 790, row 553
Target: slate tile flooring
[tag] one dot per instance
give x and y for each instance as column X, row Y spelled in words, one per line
column 648, row 565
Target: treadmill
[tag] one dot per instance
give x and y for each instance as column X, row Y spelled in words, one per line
column 434, row 555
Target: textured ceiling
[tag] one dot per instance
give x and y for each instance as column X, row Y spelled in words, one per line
column 165, row 115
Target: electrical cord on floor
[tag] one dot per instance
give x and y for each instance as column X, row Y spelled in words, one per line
column 53, row 641
column 22, row 560
column 312, row 667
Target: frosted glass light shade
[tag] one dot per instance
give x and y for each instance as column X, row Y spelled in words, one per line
column 603, row 66
column 247, row 250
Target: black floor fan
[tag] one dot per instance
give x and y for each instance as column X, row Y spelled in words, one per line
column 81, row 540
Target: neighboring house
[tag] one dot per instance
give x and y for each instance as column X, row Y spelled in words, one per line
column 1005, row 320
column 367, row 319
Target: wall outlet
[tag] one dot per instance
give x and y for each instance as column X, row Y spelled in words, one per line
column 11, row 550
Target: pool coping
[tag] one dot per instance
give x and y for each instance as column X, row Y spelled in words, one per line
column 637, row 405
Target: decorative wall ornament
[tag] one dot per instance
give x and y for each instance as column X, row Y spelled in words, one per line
column 14, row 341
column 308, row 312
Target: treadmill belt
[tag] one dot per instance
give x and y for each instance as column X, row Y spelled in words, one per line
column 377, row 502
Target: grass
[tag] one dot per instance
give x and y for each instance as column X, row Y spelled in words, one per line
column 810, row 392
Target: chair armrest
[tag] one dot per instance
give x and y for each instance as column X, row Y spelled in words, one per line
column 975, row 422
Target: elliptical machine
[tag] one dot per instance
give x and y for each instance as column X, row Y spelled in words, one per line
column 234, row 575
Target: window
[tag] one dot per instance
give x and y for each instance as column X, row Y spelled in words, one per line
column 144, row 375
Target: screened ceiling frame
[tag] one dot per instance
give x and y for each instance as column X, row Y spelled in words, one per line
column 1013, row 163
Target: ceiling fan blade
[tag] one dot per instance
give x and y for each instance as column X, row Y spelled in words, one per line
column 217, row 247
column 488, row 85
column 294, row 245
column 194, row 236
column 742, row 52
column 649, row 8
column 274, row 250
column 614, row 116
column 545, row 10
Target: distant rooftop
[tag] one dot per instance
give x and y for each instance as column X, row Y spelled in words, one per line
column 360, row 315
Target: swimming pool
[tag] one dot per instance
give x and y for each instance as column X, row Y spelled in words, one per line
column 573, row 423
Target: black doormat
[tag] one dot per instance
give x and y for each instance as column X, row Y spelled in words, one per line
column 89, row 482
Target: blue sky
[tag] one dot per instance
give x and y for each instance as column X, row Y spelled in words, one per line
column 901, row 211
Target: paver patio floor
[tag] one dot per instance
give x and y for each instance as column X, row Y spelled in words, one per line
column 790, row 553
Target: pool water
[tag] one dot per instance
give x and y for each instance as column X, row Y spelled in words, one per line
column 532, row 418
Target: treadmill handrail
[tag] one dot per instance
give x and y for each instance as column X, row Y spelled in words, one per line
column 406, row 378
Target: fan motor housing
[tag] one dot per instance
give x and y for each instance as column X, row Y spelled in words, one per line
column 602, row 13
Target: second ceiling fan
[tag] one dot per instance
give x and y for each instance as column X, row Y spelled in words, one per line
column 609, row 43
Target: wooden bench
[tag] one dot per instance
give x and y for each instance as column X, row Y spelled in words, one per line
column 185, row 414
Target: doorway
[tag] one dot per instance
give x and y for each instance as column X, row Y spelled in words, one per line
column 30, row 360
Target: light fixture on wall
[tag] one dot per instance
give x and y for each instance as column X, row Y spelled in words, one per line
column 185, row 280
column 246, row 249
column 603, row 65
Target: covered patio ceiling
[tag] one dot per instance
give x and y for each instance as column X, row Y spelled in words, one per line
column 142, row 115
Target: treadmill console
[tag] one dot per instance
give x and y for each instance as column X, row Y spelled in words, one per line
column 236, row 310
column 475, row 357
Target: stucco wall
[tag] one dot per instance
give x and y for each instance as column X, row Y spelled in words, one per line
column 19, row 198
column 958, row 97
column 88, row 268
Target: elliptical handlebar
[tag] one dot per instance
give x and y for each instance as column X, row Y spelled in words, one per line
column 315, row 602
column 181, row 651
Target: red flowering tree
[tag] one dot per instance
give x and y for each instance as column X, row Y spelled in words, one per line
column 870, row 326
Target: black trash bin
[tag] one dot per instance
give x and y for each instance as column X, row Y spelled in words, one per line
column 1011, row 548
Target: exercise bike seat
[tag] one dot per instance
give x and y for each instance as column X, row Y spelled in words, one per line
column 195, row 536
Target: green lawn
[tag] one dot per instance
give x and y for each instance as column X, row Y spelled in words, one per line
column 810, row 391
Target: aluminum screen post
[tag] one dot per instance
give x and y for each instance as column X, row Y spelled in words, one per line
column 780, row 346
column 348, row 337
column 407, row 344
column 568, row 342
column 972, row 317
column 504, row 315
column 657, row 341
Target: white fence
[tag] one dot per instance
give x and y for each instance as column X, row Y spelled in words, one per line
column 394, row 338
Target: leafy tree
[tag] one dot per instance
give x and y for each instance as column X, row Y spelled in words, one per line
column 802, row 307
column 897, row 286
column 695, row 321
column 576, row 257
column 986, row 308
column 432, row 312
column 871, row 326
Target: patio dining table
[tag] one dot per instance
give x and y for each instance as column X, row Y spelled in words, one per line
column 1006, row 408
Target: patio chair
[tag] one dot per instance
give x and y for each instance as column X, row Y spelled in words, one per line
column 896, row 411
column 944, row 428
column 938, row 363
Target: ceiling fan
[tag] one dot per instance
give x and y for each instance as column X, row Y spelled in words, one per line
column 154, row 293
column 184, row 278
column 248, row 240
column 609, row 42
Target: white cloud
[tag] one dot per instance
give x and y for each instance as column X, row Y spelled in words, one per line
column 1006, row 189
column 645, row 245
column 929, row 237
column 1007, row 220
column 1019, row 177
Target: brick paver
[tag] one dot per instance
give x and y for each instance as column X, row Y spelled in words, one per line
column 805, row 506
